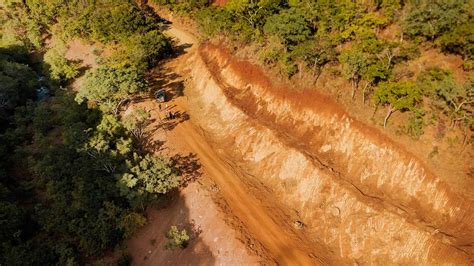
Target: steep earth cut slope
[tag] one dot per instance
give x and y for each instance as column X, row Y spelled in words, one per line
column 359, row 195
column 258, row 223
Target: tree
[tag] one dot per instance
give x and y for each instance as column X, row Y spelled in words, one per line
column 459, row 40
column 136, row 123
column 415, row 124
column 353, row 62
column 18, row 83
column 249, row 15
column 390, row 8
column 372, row 74
column 214, row 20
column 253, row 11
column 102, row 228
column 315, row 53
column 148, row 176
column 12, row 221
column 454, row 99
column 111, row 87
column 140, row 51
column 432, row 19
column 108, row 145
column 184, row 6
column 114, row 20
column 289, row 25
column 59, row 67
column 44, row 12
column 19, row 28
column 398, row 96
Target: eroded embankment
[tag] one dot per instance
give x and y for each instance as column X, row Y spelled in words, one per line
column 359, row 194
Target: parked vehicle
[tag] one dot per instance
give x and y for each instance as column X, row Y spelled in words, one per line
column 164, row 21
column 160, row 96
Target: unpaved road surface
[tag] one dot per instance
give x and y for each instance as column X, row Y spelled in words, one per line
column 256, row 218
column 279, row 243
column 196, row 206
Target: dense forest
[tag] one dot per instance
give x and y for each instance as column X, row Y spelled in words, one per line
column 74, row 179
column 346, row 38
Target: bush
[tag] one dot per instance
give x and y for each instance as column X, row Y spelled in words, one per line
column 415, row 124
column 58, row 66
column 433, row 153
column 130, row 223
column 178, row 239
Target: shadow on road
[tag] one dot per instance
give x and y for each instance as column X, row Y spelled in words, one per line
column 188, row 167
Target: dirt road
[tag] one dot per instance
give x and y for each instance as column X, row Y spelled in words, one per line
column 279, row 241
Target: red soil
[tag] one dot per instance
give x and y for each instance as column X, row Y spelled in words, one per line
column 448, row 165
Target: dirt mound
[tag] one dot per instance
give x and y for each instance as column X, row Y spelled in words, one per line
column 358, row 194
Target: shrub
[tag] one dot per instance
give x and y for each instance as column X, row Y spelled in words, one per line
column 178, row 239
column 415, row 125
column 60, row 68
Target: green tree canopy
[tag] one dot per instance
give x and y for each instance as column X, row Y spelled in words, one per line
column 56, row 63
column 454, row 99
column 431, row 19
column 140, row 51
column 315, row 53
column 353, row 61
column 459, row 40
column 290, row 26
column 398, row 96
column 111, row 87
column 148, row 176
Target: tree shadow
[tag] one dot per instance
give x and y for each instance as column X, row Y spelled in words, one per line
column 148, row 246
column 154, row 145
column 188, row 167
column 176, row 89
column 169, row 124
column 82, row 70
column 163, row 78
column 180, row 49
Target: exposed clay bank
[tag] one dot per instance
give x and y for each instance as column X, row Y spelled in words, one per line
column 360, row 196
